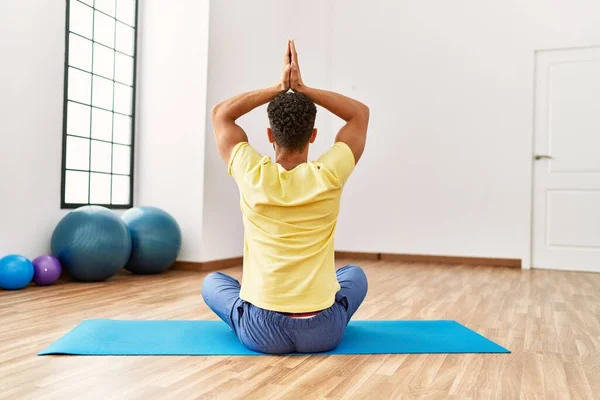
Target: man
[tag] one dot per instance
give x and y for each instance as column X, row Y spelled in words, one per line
column 292, row 299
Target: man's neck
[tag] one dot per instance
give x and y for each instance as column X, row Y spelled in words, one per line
column 290, row 160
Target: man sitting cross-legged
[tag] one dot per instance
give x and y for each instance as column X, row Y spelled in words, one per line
column 291, row 298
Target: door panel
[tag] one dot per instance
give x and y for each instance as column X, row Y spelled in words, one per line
column 573, row 218
column 574, row 116
column 566, row 192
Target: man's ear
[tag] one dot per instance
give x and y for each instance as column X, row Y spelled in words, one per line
column 270, row 135
column 313, row 136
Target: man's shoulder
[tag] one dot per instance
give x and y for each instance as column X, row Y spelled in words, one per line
column 244, row 158
column 339, row 159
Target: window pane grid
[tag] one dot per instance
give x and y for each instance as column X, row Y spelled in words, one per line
column 100, row 44
column 96, row 172
column 108, row 15
column 99, row 108
column 101, row 76
column 95, row 140
column 89, row 88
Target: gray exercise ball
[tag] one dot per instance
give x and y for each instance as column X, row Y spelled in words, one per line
column 155, row 240
column 92, row 243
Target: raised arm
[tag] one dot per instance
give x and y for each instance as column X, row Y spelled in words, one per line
column 355, row 113
column 225, row 113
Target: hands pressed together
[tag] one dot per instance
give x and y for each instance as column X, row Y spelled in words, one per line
column 224, row 114
column 355, row 113
column 290, row 75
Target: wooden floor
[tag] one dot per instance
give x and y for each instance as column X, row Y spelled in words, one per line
column 550, row 320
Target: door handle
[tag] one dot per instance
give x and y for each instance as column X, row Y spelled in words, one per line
column 543, row 157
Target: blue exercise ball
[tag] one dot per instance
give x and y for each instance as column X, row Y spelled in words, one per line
column 155, row 240
column 15, row 272
column 92, row 243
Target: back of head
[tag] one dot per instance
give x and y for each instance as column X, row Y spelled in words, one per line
column 292, row 118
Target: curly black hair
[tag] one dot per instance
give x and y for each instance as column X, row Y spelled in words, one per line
column 292, row 117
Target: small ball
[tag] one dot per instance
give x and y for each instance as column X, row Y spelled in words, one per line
column 46, row 270
column 15, row 272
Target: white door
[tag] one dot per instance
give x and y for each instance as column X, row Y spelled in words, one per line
column 566, row 181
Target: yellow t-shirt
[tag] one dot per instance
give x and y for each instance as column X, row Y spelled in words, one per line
column 289, row 223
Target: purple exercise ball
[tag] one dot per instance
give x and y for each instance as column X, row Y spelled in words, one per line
column 46, row 270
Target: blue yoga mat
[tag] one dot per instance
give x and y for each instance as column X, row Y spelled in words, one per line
column 212, row 338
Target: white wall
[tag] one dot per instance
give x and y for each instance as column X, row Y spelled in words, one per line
column 447, row 169
column 172, row 62
column 247, row 42
column 32, row 44
column 450, row 84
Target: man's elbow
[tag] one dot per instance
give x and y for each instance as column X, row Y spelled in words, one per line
column 215, row 111
column 365, row 111
column 220, row 113
column 362, row 113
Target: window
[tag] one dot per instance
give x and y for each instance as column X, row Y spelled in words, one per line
column 99, row 103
